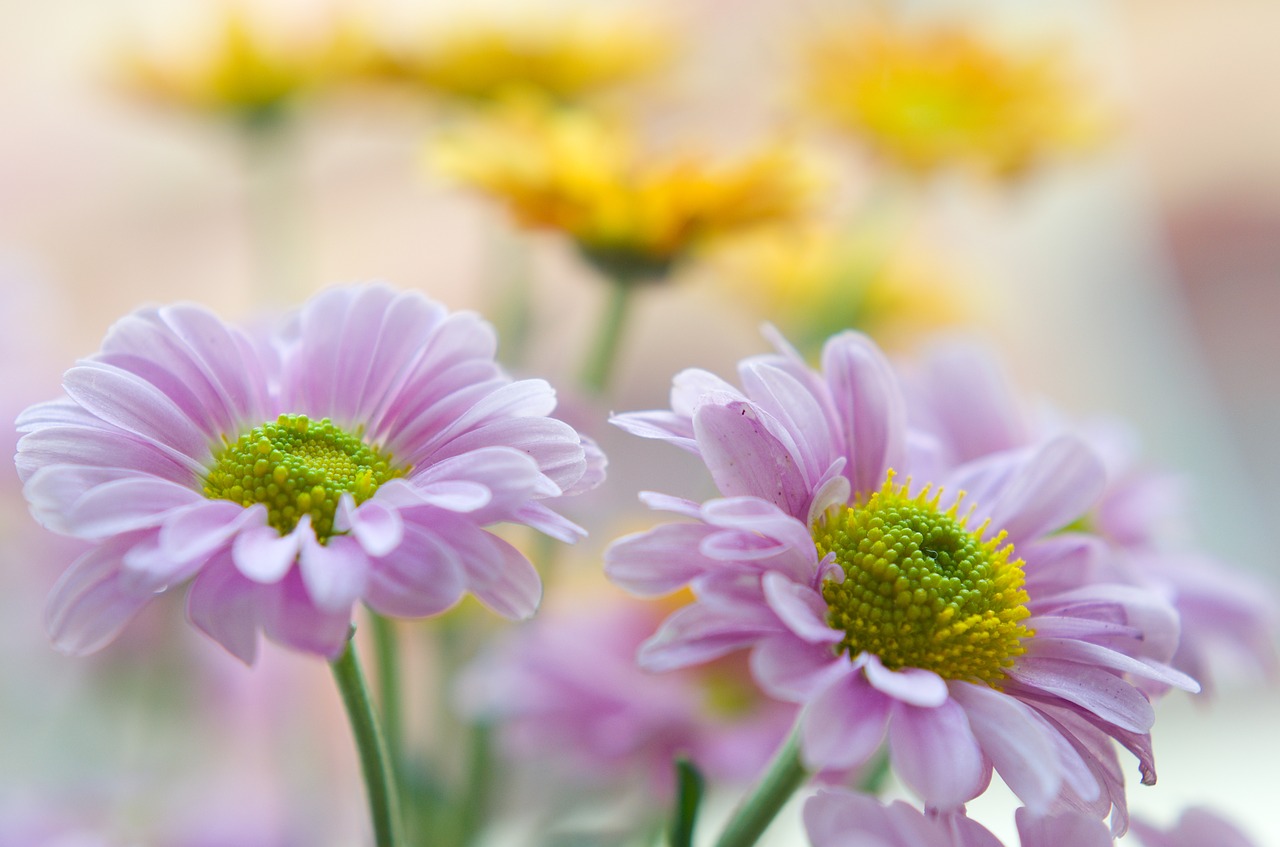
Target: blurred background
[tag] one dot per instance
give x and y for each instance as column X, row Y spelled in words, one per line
column 1131, row 271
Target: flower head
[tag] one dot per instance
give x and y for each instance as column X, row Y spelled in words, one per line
column 356, row 454
column 629, row 212
column 559, row 60
column 930, row 98
column 892, row 601
column 566, row 689
column 963, row 400
column 244, row 68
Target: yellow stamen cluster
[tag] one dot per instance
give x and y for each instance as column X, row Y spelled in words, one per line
column 921, row 590
column 297, row 467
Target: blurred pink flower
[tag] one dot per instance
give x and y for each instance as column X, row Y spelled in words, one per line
column 1197, row 827
column 566, row 688
column 961, row 399
column 885, row 608
column 846, row 819
column 355, row 454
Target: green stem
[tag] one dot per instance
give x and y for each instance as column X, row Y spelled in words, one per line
column 604, row 353
column 374, row 763
column 479, row 781
column 386, row 649
column 785, row 774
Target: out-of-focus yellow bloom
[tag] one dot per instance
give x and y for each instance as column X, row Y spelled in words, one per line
column 557, row 59
column 817, row 281
column 243, row 68
column 628, row 212
column 941, row 97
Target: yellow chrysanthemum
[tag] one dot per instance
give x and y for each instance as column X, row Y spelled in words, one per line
column 940, row 97
column 628, row 212
column 558, row 59
column 244, row 68
column 817, row 281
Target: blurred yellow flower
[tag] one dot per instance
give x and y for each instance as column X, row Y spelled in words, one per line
column 243, row 67
column 939, row 97
column 559, row 59
column 817, row 281
column 629, row 212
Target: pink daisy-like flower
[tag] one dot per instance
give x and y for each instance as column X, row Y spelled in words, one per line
column 942, row 612
column 962, row 399
column 565, row 689
column 846, row 819
column 355, row 454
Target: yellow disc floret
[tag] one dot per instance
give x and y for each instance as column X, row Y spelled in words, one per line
column 922, row 590
column 297, row 467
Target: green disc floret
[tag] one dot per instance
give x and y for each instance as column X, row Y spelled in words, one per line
column 920, row 589
column 295, row 466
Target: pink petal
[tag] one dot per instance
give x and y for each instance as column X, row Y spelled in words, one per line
column 87, row 607
column 936, row 755
column 137, row 406
column 1058, row 484
column 869, row 403
column 792, row 669
column 1099, row 691
column 497, row 573
column 795, row 408
column 334, row 574
column 801, row 608
column 844, row 725
column 702, row 631
column 913, row 686
column 1073, row 828
column 128, row 504
column 659, row 561
column 1017, row 741
column 745, row 459
column 223, row 604
column 424, row 578
column 376, row 526
column 263, row 555
column 289, row 617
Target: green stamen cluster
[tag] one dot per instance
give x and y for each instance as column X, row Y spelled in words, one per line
column 298, row 467
column 921, row 590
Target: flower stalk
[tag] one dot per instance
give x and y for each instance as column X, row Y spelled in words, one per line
column 375, row 763
column 600, row 365
column 784, row 775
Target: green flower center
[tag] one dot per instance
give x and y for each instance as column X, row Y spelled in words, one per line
column 297, row 467
column 921, row 590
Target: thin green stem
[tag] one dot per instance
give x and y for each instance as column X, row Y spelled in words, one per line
column 379, row 779
column 604, row 353
column 785, row 774
column 386, row 648
column 479, row 780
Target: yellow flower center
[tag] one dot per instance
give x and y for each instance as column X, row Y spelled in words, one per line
column 297, row 467
column 921, row 590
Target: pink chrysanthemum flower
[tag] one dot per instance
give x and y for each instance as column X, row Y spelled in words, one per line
column 962, row 399
column 846, row 819
column 355, row 454
column 933, row 610
column 565, row 689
